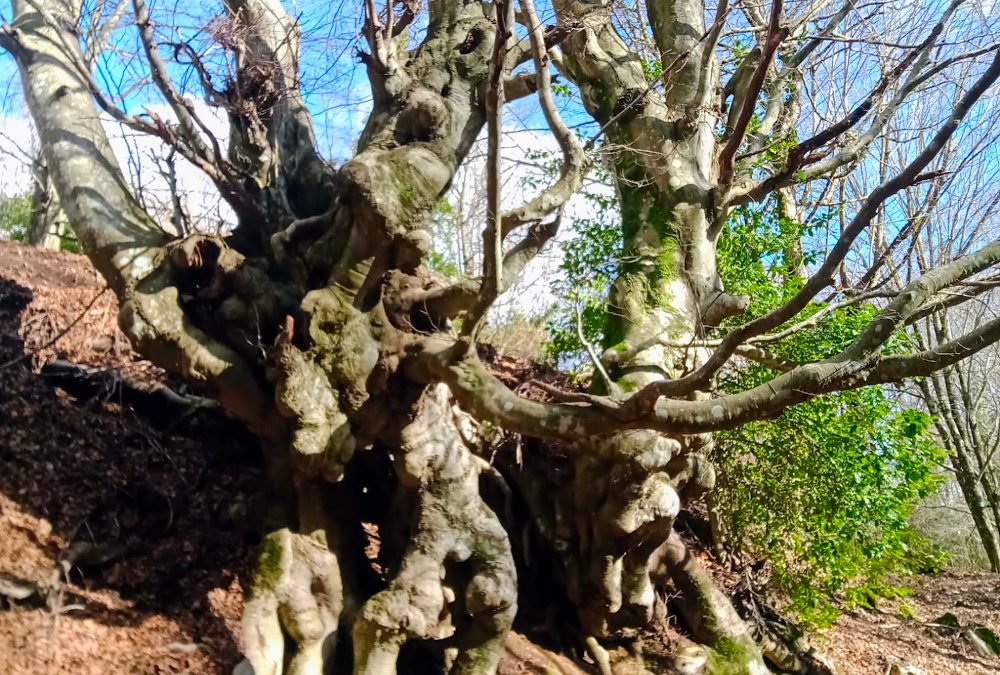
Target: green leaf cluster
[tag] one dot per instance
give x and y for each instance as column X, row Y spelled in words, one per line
column 15, row 216
column 825, row 493
column 826, row 490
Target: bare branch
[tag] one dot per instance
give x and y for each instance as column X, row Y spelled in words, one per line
column 643, row 401
column 493, row 236
column 734, row 136
column 805, row 153
column 189, row 122
column 500, row 271
column 571, row 170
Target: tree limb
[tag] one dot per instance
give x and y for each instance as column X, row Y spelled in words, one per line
column 734, row 136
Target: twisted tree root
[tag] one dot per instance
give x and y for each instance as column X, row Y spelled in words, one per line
column 457, row 578
column 298, row 592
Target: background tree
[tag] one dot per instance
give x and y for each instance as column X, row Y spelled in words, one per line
column 313, row 320
column 47, row 226
column 15, row 217
column 936, row 222
column 33, row 216
column 962, row 399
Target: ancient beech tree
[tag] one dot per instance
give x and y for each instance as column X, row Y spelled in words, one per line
column 315, row 323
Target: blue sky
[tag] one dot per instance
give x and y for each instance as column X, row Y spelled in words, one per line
column 336, row 89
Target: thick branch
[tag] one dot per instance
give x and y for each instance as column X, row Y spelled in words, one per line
column 492, row 236
column 644, row 400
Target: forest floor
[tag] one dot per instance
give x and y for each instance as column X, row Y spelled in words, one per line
column 131, row 541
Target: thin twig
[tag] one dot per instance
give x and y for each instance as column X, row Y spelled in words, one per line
column 598, row 366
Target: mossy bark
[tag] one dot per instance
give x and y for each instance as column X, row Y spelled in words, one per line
column 312, row 322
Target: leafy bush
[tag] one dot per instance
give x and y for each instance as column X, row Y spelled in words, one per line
column 15, row 217
column 825, row 492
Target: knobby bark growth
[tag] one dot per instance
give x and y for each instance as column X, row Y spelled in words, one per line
column 315, row 322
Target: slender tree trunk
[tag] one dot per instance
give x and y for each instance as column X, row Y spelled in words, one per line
column 47, row 224
column 966, row 467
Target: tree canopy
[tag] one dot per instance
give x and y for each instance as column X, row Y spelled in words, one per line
column 775, row 176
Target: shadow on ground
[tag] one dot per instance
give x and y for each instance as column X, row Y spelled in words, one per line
column 152, row 528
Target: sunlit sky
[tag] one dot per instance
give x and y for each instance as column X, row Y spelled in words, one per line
column 336, row 90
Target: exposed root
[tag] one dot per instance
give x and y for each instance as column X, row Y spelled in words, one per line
column 781, row 642
column 600, row 655
column 457, row 578
column 606, row 511
column 297, row 592
column 710, row 615
column 533, row 658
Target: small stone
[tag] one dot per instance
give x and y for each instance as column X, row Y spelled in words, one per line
column 15, row 588
column 183, row 647
column 690, row 660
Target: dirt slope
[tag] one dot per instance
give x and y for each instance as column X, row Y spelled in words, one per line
column 152, row 518
column 869, row 641
column 155, row 520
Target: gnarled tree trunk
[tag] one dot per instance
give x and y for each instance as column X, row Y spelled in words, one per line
column 316, row 324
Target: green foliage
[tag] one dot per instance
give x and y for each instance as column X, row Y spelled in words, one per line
column 15, row 216
column 826, row 490
column 562, row 90
column 590, row 264
column 437, row 262
column 739, row 48
column 653, row 70
column 759, row 252
column 15, row 222
column 69, row 243
column 444, row 258
column 547, row 167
